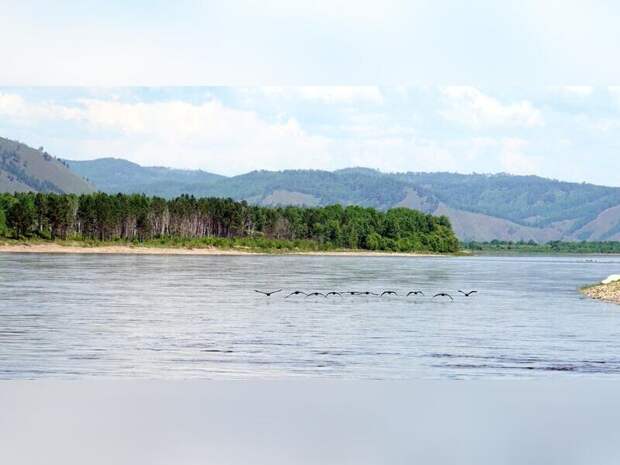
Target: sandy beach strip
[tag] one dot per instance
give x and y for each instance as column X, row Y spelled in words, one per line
column 54, row 248
column 607, row 292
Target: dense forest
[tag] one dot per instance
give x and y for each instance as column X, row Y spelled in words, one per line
column 587, row 247
column 135, row 217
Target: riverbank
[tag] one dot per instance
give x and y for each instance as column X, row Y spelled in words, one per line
column 75, row 247
column 607, row 292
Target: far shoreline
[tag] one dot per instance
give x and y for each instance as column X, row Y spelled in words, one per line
column 127, row 249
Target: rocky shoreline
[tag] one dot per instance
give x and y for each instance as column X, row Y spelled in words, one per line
column 609, row 292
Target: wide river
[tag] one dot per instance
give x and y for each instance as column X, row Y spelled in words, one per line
column 131, row 316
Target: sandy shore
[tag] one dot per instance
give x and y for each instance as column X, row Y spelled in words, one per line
column 607, row 292
column 140, row 250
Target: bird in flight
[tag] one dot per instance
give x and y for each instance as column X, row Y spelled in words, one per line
column 295, row 293
column 443, row 294
column 267, row 293
column 315, row 293
column 467, row 294
column 366, row 293
column 352, row 292
column 334, row 293
column 415, row 293
column 388, row 293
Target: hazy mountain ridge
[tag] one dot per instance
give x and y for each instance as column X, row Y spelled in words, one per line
column 118, row 175
column 23, row 168
column 480, row 206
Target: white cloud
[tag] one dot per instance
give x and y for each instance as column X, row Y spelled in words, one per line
column 392, row 154
column 15, row 107
column 324, row 128
column 328, row 94
column 615, row 92
column 514, row 160
column 468, row 106
column 577, row 91
column 176, row 133
column 360, row 10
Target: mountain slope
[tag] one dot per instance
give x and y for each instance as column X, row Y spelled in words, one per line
column 481, row 207
column 527, row 200
column 114, row 175
column 23, row 168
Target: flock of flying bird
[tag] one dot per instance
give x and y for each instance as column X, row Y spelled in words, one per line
column 367, row 293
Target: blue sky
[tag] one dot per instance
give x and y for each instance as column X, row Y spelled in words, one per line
column 564, row 132
column 484, row 85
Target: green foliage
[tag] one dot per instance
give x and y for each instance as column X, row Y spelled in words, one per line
column 549, row 247
column 223, row 222
column 526, row 200
column 21, row 215
column 3, row 226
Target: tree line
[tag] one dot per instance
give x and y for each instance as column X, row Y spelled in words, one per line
column 586, row 247
column 135, row 217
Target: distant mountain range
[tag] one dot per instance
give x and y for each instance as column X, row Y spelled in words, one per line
column 481, row 207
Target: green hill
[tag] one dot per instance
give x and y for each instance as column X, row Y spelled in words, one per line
column 481, row 207
column 114, row 175
column 23, row 169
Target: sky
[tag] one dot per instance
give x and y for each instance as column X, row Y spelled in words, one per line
column 524, row 87
column 566, row 132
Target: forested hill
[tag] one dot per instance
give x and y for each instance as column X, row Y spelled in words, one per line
column 480, row 207
column 113, row 175
column 23, row 169
column 136, row 217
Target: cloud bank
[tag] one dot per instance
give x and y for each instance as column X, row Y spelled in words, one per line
column 234, row 130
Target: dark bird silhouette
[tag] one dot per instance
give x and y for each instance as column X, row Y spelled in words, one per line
column 415, row 293
column 315, row 293
column 267, row 293
column 443, row 294
column 366, row 293
column 352, row 292
column 467, row 294
column 334, row 293
column 295, row 293
column 388, row 293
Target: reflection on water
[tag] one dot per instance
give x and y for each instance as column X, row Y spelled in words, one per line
column 198, row 317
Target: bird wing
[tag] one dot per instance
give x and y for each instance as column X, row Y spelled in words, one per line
column 260, row 292
column 464, row 293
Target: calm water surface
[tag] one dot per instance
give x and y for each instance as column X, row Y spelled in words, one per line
column 75, row 316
